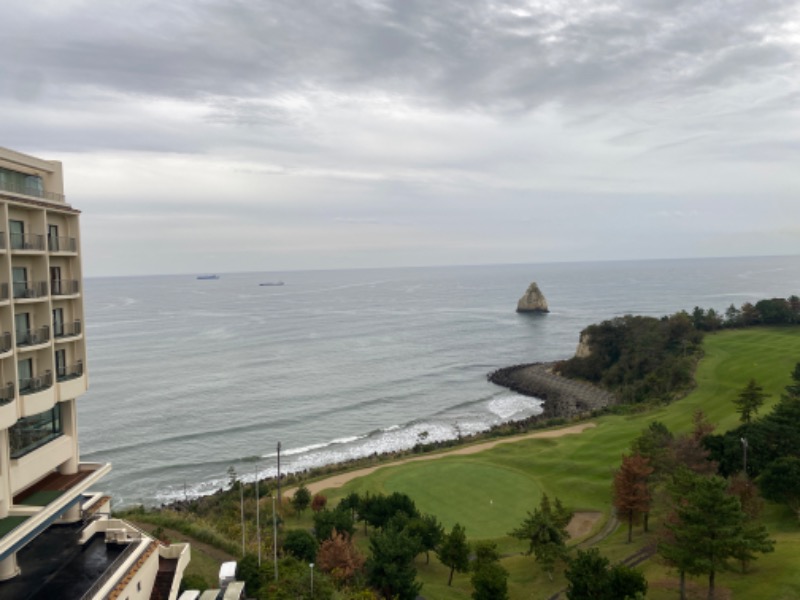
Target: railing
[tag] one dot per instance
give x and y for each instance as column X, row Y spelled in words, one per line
column 3, row 291
column 2, row 240
column 111, row 570
column 62, row 243
column 32, row 337
column 67, row 329
column 5, row 342
column 67, row 372
column 27, row 241
column 65, row 287
column 31, row 385
column 30, row 289
column 7, row 393
column 29, row 190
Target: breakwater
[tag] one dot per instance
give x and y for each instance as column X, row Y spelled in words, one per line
column 563, row 398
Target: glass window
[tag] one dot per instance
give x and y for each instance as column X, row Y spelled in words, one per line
column 25, row 373
column 32, row 432
column 20, row 279
column 16, row 230
column 22, row 326
column 58, row 322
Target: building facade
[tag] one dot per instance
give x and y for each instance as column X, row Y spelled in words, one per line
column 49, row 518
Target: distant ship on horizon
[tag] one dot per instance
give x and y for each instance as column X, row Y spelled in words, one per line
column 208, row 276
column 271, row 283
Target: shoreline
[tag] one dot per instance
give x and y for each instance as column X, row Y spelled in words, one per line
column 340, row 479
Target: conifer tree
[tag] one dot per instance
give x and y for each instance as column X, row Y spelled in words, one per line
column 750, row 399
column 545, row 530
column 454, row 551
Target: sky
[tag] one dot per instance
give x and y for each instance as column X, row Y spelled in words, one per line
column 206, row 136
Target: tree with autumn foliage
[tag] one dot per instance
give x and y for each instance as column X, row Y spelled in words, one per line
column 338, row 556
column 632, row 495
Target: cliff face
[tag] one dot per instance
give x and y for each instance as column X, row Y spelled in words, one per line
column 533, row 301
column 584, row 348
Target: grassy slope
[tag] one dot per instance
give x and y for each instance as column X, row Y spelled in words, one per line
column 489, row 492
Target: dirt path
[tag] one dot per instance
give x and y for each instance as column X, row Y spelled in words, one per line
column 337, row 481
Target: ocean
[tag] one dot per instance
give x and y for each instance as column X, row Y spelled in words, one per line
column 189, row 377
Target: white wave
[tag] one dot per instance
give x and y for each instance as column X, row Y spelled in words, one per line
column 515, row 406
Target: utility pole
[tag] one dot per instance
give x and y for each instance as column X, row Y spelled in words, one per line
column 274, row 538
column 258, row 520
column 241, row 500
column 279, row 475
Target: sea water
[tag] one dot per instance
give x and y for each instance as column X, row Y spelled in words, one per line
column 189, row 377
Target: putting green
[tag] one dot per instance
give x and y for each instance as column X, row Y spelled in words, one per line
column 487, row 499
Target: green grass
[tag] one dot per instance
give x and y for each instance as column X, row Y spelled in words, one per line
column 578, row 470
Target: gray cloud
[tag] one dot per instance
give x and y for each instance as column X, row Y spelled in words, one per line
column 394, row 119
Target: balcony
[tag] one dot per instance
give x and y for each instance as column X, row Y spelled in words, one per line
column 33, row 337
column 7, row 393
column 62, row 243
column 32, row 385
column 17, row 187
column 65, row 287
column 2, row 240
column 27, row 241
column 67, row 330
column 3, row 292
column 27, row 290
column 5, row 342
column 67, row 372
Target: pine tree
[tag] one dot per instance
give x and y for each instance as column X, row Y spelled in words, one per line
column 750, row 399
column 454, row 551
column 546, row 533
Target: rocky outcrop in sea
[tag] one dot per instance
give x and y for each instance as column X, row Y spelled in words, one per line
column 533, row 301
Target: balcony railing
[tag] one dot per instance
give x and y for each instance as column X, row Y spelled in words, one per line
column 31, row 385
column 5, row 342
column 62, row 243
column 3, row 291
column 30, row 289
column 67, row 372
column 61, row 330
column 33, row 337
column 29, row 190
column 65, row 287
column 2, row 240
column 27, row 241
column 7, row 393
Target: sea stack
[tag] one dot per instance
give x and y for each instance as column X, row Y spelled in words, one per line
column 533, row 301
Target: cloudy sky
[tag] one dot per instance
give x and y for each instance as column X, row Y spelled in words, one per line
column 263, row 135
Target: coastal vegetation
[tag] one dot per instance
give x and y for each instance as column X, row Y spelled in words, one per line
column 490, row 493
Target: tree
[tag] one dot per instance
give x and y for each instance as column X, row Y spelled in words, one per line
column 390, row 567
column 780, row 482
column 454, row 551
column 300, row 544
column 545, row 530
column 428, row 531
column 590, row 578
column 631, row 493
column 318, row 502
column 707, row 529
column 301, row 499
column 325, row 521
column 750, row 399
column 352, row 502
column 339, row 557
column 489, row 578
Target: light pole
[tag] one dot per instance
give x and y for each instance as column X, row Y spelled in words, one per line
column 311, row 565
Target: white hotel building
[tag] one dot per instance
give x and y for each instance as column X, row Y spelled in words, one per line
column 57, row 538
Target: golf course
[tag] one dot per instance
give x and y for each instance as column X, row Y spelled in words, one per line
column 489, row 492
